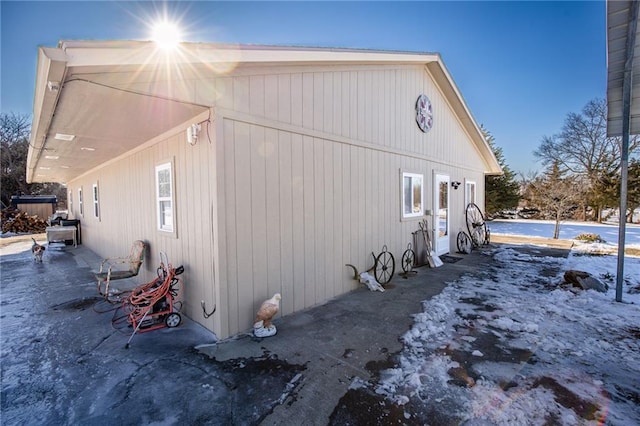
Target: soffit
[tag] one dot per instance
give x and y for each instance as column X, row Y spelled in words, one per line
column 109, row 112
column 618, row 17
column 116, row 96
column 105, row 123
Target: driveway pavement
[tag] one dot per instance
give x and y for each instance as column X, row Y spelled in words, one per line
column 64, row 363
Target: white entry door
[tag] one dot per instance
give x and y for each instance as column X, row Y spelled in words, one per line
column 441, row 214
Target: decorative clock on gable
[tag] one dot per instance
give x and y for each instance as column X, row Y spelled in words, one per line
column 424, row 113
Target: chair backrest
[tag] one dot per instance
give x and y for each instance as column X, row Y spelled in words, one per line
column 136, row 256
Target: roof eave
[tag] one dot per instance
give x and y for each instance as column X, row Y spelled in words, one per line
column 439, row 72
column 123, row 53
column 51, row 69
column 53, row 64
column 618, row 26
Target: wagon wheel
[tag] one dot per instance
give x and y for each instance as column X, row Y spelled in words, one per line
column 408, row 259
column 463, row 242
column 384, row 267
column 476, row 225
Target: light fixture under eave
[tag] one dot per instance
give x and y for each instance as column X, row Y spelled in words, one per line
column 53, row 86
column 64, row 137
column 87, row 148
column 192, row 134
column 51, row 157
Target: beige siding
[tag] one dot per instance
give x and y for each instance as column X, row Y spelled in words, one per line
column 315, row 205
column 127, row 213
column 301, row 176
column 320, row 153
column 366, row 103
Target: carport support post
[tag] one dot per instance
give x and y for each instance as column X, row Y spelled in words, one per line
column 624, row 159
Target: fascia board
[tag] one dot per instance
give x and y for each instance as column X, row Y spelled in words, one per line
column 53, row 63
column 51, row 67
column 440, row 73
column 86, row 53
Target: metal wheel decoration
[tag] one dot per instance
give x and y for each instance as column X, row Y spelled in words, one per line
column 424, row 113
column 476, row 225
column 463, row 242
column 384, row 267
column 408, row 259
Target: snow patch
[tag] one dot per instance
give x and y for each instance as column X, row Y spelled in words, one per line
column 580, row 344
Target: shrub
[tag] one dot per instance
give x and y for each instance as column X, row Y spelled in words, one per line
column 590, row 238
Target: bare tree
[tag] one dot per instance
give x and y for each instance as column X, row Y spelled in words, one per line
column 583, row 149
column 555, row 195
column 14, row 147
column 14, row 143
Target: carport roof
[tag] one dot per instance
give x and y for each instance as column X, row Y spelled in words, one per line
column 618, row 23
column 96, row 101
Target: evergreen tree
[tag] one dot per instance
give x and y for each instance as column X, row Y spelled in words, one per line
column 502, row 192
column 633, row 188
column 605, row 192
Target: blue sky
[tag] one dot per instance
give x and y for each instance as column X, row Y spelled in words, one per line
column 521, row 66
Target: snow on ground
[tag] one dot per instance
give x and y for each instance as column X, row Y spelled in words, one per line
column 568, row 230
column 515, row 347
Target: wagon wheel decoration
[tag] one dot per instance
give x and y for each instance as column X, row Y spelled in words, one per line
column 408, row 259
column 384, row 267
column 476, row 226
column 463, row 242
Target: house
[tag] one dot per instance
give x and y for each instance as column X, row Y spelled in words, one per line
column 260, row 169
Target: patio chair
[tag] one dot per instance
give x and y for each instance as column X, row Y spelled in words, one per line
column 108, row 273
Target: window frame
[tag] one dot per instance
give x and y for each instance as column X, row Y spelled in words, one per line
column 467, row 199
column 412, row 176
column 95, row 198
column 162, row 225
column 80, row 202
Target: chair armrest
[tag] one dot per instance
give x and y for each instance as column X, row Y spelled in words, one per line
column 113, row 261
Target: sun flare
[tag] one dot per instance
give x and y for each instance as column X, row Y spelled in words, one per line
column 166, row 34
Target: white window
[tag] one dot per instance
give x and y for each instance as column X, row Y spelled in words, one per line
column 469, row 192
column 96, row 206
column 164, row 197
column 80, row 202
column 412, row 195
